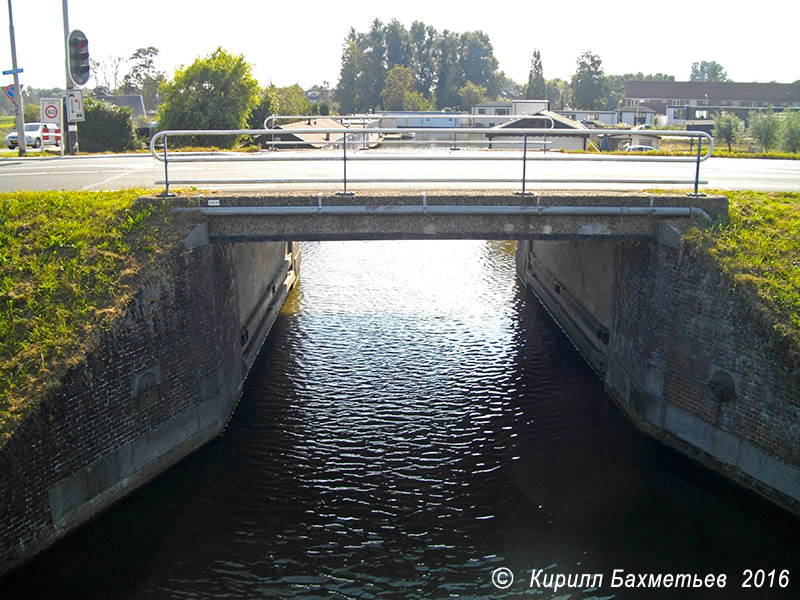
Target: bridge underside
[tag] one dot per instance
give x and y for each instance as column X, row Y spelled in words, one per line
column 235, row 217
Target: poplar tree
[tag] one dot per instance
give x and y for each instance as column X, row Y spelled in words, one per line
column 536, row 89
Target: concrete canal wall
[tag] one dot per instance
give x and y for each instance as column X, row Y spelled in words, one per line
column 680, row 351
column 161, row 382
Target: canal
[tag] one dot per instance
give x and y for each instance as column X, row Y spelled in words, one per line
column 415, row 425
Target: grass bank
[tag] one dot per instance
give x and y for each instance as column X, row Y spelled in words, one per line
column 68, row 263
column 759, row 250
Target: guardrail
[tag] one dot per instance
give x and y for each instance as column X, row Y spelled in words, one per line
column 360, row 139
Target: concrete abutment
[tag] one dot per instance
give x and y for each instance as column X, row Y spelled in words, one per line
column 680, row 352
column 162, row 382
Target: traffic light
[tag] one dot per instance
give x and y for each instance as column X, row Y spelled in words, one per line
column 78, row 57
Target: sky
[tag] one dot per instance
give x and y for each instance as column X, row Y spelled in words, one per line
column 301, row 43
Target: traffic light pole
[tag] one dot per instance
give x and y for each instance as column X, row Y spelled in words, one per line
column 69, row 137
column 17, row 88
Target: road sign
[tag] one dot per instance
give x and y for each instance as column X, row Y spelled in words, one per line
column 75, row 106
column 9, row 90
column 12, row 72
column 50, row 109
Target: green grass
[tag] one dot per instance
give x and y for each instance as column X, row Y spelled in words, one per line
column 759, row 250
column 68, row 263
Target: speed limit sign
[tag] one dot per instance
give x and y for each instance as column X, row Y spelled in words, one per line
column 50, row 110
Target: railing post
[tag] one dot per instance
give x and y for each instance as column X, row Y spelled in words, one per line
column 344, row 160
column 697, row 169
column 524, row 160
column 166, row 193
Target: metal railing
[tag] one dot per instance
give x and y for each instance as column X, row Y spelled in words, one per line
column 332, row 144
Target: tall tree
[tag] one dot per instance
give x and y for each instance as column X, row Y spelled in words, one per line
column 588, row 83
column 536, row 89
column 708, row 71
column 348, row 94
column 440, row 63
column 478, row 62
column 398, row 42
column 423, row 57
column 449, row 74
column 143, row 77
column 107, row 72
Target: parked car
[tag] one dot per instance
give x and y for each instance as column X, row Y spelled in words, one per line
column 37, row 135
column 639, row 148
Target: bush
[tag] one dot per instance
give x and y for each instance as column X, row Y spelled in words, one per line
column 107, row 128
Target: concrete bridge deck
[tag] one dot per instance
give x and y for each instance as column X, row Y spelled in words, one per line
column 299, row 216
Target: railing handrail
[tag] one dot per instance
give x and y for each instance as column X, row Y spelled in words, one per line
column 361, row 136
column 494, row 132
column 270, row 120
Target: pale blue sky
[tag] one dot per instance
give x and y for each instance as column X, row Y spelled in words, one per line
column 289, row 42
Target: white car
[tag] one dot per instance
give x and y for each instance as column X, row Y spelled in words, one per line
column 639, row 148
column 37, row 135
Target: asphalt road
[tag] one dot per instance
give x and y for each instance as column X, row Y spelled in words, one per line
column 109, row 172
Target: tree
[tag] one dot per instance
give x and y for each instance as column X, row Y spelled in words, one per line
column 106, row 73
column 729, row 128
column 478, row 62
column 470, row 95
column 791, row 131
column 423, row 57
column 537, row 88
column 558, row 94
column 31, row 113
column 440, row 63
column 347, row 94
column 215, row 92
column 588, row 84
column 765, row 128
column 143, row 77
column 399, row 93
column 708, row 71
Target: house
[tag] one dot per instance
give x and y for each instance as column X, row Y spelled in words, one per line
column 636, row 115
column 291, row 139
column 306, row 140
column 504, row 136
column 319, row 95
column 692, row 100
column 413, row 118
column 491, row 114
column 606, row 117
column 134, row 102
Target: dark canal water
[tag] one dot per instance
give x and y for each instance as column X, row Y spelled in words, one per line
column 414, row 423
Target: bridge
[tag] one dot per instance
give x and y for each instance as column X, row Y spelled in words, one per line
column 416, row 204
column 652, row 320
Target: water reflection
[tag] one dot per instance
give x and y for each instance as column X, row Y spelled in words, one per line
column 414, row 421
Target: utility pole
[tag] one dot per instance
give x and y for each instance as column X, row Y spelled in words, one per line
column 17, row 88
column 69, row 137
